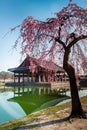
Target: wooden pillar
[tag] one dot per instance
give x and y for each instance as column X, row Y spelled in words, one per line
column 14, row 77
column 19, row 78
column 14, row 91
column 47, row 76
column 28, row 77
column 32, row 77
column 44, row 80
column 39, row 78
column 23, row 77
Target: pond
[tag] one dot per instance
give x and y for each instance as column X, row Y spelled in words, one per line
column 12, row 110
column 9, row 110
column 82, row 93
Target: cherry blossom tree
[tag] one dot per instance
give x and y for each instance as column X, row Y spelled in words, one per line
column 62, row 38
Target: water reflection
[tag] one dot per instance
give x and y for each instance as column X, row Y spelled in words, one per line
column 82, row 93
column 9, row 110
column 12, row 110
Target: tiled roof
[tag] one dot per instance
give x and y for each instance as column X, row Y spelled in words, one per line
column 42, row 63
column 24, row 66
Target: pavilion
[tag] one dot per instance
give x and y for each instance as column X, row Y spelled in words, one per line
column 31, row 70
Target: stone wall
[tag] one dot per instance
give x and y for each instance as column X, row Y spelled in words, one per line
column 55, row 85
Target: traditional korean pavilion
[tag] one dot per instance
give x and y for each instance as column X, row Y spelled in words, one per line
column 32, row 70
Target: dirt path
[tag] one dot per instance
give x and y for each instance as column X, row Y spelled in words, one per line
column 56, row 121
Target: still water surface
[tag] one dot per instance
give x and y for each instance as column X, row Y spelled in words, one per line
column 12, row 110
column 9, row 110
column 82, row 93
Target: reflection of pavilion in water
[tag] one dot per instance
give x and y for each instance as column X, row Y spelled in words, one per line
column 32, row 72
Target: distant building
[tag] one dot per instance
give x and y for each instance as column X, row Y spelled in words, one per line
column 32, row 70
column 83, row 81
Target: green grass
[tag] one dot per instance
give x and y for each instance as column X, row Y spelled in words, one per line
column 34, row 102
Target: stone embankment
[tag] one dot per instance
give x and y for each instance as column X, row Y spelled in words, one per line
column 56, row 85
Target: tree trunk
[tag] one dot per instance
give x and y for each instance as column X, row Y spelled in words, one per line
column 75, row 100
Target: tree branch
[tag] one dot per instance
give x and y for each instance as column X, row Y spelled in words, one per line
column 76, row 40
column 61, row 42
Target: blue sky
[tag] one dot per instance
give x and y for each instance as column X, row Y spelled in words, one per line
column 12, row 13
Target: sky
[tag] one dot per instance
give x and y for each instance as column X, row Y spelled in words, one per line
column 12, row 13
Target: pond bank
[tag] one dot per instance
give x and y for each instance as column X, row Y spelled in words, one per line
column 53, row 118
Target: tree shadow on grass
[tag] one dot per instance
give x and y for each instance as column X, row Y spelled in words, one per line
column 28, row 126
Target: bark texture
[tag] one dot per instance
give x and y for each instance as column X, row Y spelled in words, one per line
column 77, row 110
